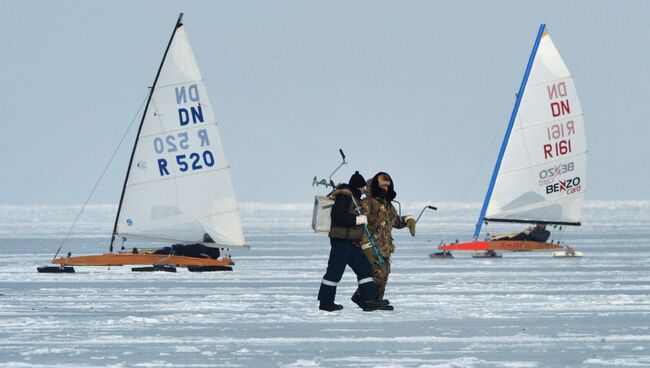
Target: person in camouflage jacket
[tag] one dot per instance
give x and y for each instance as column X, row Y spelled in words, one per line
column 382, row 218
column 346, row 231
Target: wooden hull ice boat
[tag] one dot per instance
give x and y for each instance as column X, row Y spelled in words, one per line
column 177, row 191
column 124, row 259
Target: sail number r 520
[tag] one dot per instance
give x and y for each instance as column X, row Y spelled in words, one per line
column 197, row 161
column 192, row 162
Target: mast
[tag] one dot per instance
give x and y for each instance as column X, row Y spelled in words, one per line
column 497, row 166
column 135, row 145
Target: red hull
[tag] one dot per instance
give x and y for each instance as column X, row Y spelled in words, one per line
column 502, row 245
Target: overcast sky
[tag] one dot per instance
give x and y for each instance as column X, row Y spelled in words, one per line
column 421, row 89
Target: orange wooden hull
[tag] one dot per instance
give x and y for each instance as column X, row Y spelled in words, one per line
column 502, row 245
column 122, row 259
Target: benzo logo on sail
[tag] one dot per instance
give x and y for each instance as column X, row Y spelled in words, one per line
column 547, row 176
column 569, row 186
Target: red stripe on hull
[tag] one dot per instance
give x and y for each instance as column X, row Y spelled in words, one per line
column 502, row 245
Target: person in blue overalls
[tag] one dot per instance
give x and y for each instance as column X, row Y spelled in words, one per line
column 345, row 234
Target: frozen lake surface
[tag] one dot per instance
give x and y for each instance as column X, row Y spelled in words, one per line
column 522, row 310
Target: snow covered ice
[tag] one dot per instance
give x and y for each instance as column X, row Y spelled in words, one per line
column 522, row 310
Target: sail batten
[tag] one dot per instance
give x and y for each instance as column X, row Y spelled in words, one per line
column 190, row 174
column 543, row 122
column 550, row 80
column 146, row 135
column 180, row 83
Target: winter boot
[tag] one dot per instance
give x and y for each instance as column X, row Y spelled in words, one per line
column 356, row 298
column 376, row 304
column 330, row 307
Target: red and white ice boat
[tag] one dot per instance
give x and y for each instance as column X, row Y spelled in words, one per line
column 540, row 174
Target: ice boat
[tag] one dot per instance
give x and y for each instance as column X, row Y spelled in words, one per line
column 177, row 190
column 540, row 174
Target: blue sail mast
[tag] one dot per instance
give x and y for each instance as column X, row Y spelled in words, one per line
column 520, row 94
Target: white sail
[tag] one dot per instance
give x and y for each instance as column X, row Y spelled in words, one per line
column 543, row 172
column 179, row 186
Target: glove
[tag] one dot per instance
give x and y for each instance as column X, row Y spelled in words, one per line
column 410, row 223
column 370, row 254
column 361, row 220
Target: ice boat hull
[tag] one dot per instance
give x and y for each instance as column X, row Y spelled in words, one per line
column 55, row 269
column 565, row 254
column 443, row 254
column 123, row 259
column 502, row 245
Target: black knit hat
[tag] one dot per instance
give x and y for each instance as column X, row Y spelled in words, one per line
column 357, row 181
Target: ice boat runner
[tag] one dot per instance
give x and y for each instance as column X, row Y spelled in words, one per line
column 177, row 189
column 540, row 174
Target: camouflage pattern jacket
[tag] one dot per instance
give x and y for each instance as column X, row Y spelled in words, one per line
column 382, row 218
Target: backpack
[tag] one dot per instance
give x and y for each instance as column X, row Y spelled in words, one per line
column 321, row 220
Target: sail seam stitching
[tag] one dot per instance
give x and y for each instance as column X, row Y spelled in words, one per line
column 178, row 177
column 543, row 163
column 533, row 125
column 550, row 80
column 178, row 130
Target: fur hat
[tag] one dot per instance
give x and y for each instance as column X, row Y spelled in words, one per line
column 383, row 179
column 375, row 191
column 357, row 181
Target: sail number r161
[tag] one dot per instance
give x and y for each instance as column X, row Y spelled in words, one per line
column 559, row 135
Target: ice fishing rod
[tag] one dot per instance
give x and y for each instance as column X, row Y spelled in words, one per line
column 373, row 242
column 317, row 182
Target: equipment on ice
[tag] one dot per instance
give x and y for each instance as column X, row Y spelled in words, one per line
column 330, row 183
column 321, row 220
column 371, row 238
